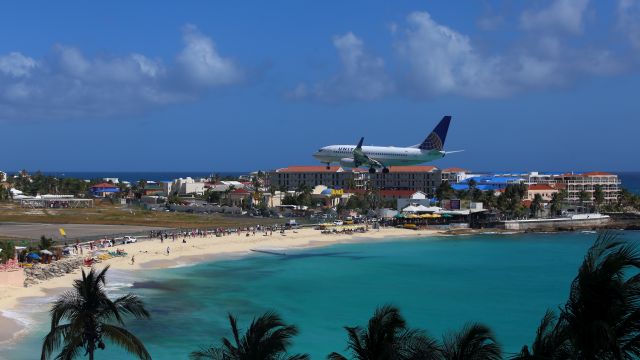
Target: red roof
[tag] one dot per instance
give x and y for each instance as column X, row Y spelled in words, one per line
column 597, row 173
column 104, row 185
column 454, row 170
column 417, row 168
column 332, row 169
column 240, row 191
column 541, row 187
column 405, row 193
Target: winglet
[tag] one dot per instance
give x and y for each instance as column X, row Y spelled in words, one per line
column 360, row 143
column 435, row 140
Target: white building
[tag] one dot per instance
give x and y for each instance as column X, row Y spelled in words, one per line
column 184, row 187
column 417, row 198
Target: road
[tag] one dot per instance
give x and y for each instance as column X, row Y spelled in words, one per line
column 73, row 231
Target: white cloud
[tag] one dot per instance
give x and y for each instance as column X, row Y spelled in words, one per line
column 442, row 61
column 563, row 15
column 202, row 63
column 362, row 76
column 17, row 65
column 629, row 20
column 68, row 84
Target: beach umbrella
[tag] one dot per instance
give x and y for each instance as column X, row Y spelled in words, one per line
column 46, row 252
column 447, row 215
column 33, row 256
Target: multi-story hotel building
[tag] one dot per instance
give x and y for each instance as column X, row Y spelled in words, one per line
column 415, row 178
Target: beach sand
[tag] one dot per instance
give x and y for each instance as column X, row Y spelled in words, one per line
column 153, row 254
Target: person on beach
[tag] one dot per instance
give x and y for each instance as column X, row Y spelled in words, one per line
column 133, row 259
column 168, row 250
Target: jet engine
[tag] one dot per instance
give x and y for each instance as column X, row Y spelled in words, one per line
column 347, row 162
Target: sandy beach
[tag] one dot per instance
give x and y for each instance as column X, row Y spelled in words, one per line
column 153, row 254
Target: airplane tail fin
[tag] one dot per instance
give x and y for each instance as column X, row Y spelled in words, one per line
column 359, row 146
column 435, row 140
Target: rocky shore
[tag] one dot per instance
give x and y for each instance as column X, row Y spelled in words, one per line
column 40, row 272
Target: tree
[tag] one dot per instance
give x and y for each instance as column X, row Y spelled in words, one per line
column 388, row 337
column 598, row 197
column 45, row 243
column 536, row 205
column 7, row 250
column 602, row 314
column 550, row 341
column 474, row 341
column 583, row 197
column 90, row 315
column 445, row 191
column 267, row 338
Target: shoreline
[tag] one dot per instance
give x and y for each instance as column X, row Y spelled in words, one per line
column 151, row 254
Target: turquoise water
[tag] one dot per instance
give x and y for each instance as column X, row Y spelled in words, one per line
column 504, row 281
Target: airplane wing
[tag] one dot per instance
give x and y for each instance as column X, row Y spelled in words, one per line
column 360, row 158
column 450, row 152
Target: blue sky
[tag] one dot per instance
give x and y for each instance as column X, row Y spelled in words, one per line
column 223, row 86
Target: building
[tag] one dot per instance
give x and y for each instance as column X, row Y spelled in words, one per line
column 104, row 189
column 546, row 191
column 410, row 178
column 488, row 182
column 454, row 175
column 184, row 187
column 294, row 177
column 417, row 198
column 587, row 182
column 415, row 178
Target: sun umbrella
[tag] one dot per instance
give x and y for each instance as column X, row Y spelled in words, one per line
column 33, row 256
column 46, row 252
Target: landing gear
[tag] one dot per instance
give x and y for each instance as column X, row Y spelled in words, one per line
column 385, row 170
column 372, row 170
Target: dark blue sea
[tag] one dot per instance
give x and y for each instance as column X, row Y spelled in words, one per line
column 630, row 181
column 504, row 281
column 141, row 175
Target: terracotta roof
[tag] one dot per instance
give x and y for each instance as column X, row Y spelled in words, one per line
column 454, row 170
column 541, row 187
column 405, row 193
column 597, row 173
column 240, row 191
column 417, row 168
column 332, row 169
column 104, row 185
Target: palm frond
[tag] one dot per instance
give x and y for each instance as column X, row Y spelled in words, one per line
column 474, row 341
column 72, row 348
column 336, row 356
column 53, row 339
column 211, row 353
column 126, row 340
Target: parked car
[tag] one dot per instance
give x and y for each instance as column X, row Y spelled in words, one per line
column 338, row 223
column 129, row 239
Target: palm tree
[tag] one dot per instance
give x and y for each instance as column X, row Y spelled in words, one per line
column 388, row 337
column 90, row 314
column 551, row 342
column 473, row 342
column 267, row 338
column 602, row 314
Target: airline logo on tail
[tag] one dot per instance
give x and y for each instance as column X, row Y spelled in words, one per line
column 435, row 140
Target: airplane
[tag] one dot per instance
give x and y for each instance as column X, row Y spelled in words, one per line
column 376, row 157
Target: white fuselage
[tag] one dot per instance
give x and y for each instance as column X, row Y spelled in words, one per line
column 386, row 155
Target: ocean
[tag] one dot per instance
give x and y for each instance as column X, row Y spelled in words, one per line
column 504, row 281
column 135, row 176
